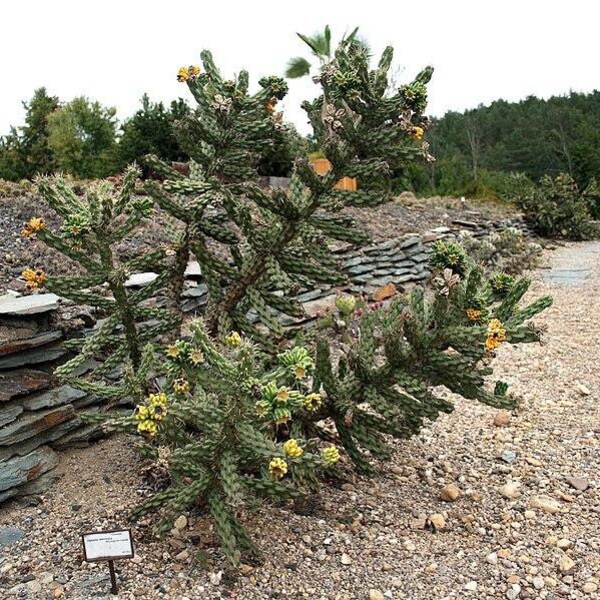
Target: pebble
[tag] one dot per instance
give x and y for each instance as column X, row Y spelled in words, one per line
column 180, row 523
column 566, row 563
column 502, row 418
column 513, row 592
column 538, row 583
column 450, row 493
column 438, row 521
column 546, row 504
column 346, row 560
column 590, row 587
column 492, row 558
column 510, row 490
column 579, row 483
column 376, row 595
column 471, row 586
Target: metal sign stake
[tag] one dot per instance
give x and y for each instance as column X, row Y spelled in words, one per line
column 113, row 578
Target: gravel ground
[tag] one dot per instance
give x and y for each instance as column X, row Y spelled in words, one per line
column 524, row 524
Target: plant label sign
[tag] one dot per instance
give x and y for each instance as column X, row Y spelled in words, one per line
column 107, row 545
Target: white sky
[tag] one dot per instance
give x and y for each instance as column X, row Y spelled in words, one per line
column 114, row 51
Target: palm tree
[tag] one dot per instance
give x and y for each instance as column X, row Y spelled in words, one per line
column 320, row 45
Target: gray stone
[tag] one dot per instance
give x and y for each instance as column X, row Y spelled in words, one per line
column 28, row 305
column 421, row 257
column 36, row 441
column 10, row 535
column 64, row 394
column 9, row 413
column 360, row 269
column 140, row 279
column 31, row 424
column 355, row 261
column 196, row 291
column 27, row 344
column 193, row 270
column 32, row 357
column 80, row 438
column 22, row 381
column 409, row 241
column 22, row 469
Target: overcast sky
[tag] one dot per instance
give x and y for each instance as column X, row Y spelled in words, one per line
column 114, row 51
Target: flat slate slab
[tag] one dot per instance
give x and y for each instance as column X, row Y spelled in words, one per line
column 64, row 394
column 22, row 381
column 32, row 357
column 28, row 305
column 22, row 469
column 9, row 412
column 141, row 279
column 29, row 343
column 30, row 424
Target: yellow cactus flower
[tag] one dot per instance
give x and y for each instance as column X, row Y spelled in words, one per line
column 299, row 372
column 181, row 386
column 495, row 334
column 330, row 455
column 141, row 412
column 312, row 402
column 278, row 468
column 33, row 277
column 148, row 426
column 173, row 351
column 193, row 71
column 283, row 395
column 293, row 449
column 157, row 399
column 417, row 133
column 32, row 226
column 473, row 314
column 234, row 339
column 196, row 356
column 183, row 74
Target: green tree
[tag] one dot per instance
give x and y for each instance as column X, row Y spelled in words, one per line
column 83, row 138
column 150, row 131
column 25, row 152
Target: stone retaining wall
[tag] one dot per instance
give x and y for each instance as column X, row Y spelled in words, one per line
column 38, row 416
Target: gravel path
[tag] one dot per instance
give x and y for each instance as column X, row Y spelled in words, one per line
column 525, row 523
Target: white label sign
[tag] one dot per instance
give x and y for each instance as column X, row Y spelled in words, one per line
column 107, row 545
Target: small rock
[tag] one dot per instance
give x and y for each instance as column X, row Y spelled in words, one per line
column 182, row 556
column 510, row 490
column 579, row 483
column 450, row 493
column 471, row 586
column 502, row 418
column 376, row 595
column 589, row 587
column 508, row 456
column 538, row 583
column 180, row 523
column 583, row 389
column 513, row 592
column 346, row 560
column 565, row 563
column 438, row 521
column 10, row 535
column 215, row 578
column 564, row 543
column 492, row 558
column 545, row 503
column 34, row 586
column 529, row 514
column 245, row 569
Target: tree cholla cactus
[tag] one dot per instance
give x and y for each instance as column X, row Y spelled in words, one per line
column 92, row 226
column 276, row 241
column 227, row 422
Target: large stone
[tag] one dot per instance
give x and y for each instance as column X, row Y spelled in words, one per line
column 28, row 305
column 64, row 394
column 22, row 469
column 32, row 357
column 46, row 437
column 10, row 535
column 193, row 270
column 31, row 424
column 140, row 279
column 23, row 381
column 26, row 344
column 9, row 412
